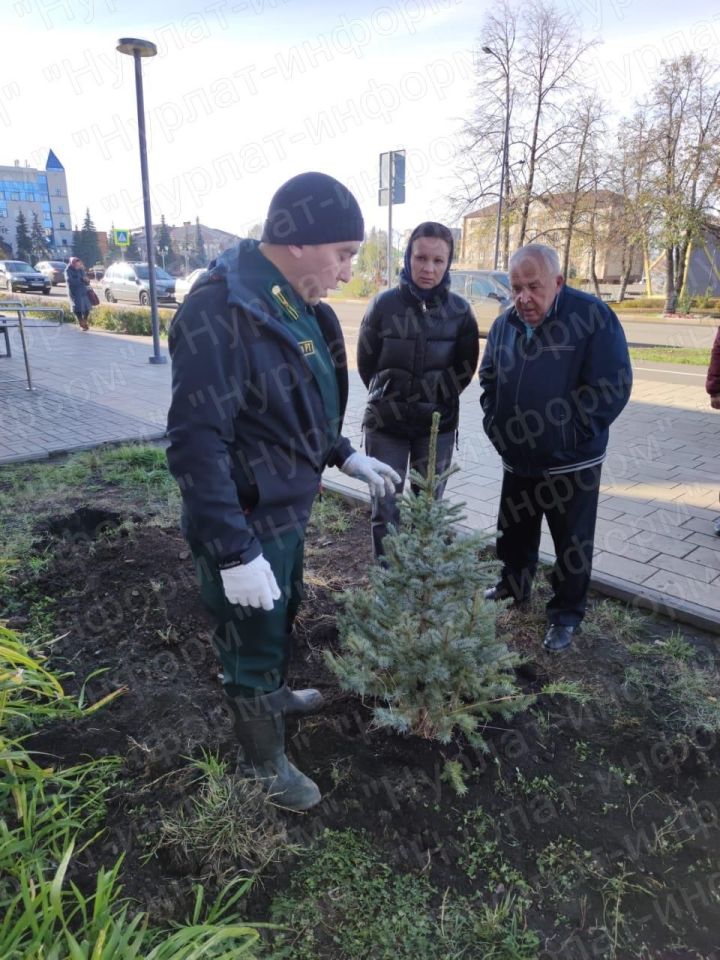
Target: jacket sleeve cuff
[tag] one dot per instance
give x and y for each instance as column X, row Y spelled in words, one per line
column 340, row 452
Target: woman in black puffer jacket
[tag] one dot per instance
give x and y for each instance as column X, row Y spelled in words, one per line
column 417, row 351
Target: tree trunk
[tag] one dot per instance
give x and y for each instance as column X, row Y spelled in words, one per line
column 593, row 272
column 670, row 292
column 624, row 270
column 647, row 266
column 507, row 207
column 624, row 279
column 531, row 171
column 683, row 255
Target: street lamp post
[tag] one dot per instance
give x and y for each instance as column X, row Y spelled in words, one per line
column 506, row 71
column 163, row 252
column 137, row 49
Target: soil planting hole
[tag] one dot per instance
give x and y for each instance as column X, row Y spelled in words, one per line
column 87, row 522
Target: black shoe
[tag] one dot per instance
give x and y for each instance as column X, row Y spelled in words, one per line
column 501, row 591
column 559, row 637
column 716, row 527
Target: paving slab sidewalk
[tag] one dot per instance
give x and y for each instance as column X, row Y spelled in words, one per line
column 659, row 496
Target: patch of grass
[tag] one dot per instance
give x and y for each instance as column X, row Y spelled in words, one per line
column 610, row 620
column 347, row 903
column 693, row 356
column 482, row 857
column 668, row 684
column 31, row 492
column 226, row 825
column 331, row 515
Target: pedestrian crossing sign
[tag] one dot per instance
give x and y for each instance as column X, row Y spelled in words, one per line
column 121, row 238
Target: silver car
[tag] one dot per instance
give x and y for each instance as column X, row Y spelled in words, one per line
column 183, row 285
column 486, row 295
column 54, row 270
column 131, row 281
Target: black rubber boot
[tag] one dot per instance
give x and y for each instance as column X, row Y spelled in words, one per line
column 260, row 729
column 299, row 701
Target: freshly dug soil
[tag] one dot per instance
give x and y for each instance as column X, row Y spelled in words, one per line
column 601, row 777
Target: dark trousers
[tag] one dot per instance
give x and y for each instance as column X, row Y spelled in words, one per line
column 253, row 645
column 569, row 502
column 398, row 452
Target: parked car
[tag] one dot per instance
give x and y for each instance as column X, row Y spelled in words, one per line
column 96, row 272
column 487, row 297
column 502, row 277
column 19, row 275
column 131, row 281
column 183, row 285
column 54, row 270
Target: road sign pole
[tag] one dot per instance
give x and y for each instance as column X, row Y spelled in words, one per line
column 392, row 186
column 389, row 232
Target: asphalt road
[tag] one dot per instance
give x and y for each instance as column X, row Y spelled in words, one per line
column 637, row 332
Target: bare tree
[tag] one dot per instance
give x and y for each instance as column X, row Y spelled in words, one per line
column 551, row 50
column 527, row 67
column 630, row 177
column 484, row 164
column 578, row 169
column 685, row 109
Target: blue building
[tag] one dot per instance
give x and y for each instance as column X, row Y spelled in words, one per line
column 43, row 192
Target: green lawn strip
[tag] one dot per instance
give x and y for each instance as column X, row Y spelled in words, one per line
column 30, row 492
column 694, row 356
column 346, row 903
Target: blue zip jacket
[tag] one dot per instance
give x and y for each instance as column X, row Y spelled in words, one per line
column 247, row 424
column 548, row 401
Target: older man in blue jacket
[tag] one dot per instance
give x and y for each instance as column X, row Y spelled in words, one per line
column 260, row 385
column 555, row 374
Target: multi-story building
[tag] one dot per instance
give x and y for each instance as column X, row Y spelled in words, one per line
column 43, row 192
column 596, row 234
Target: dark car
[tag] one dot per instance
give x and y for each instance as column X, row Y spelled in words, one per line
column 131, row 281
column 53, row 270
column 19, row 275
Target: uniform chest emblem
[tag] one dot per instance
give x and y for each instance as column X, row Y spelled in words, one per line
column 307, row 347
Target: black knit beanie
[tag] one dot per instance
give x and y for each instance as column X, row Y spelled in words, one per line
column 313, row 208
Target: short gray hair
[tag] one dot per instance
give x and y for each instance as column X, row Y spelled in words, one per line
column 540, row 252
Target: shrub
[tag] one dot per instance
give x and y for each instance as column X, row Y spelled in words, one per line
column 134, row 321
column 644, row 303
column 421, row 636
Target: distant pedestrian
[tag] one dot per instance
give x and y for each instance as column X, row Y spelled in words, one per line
column 555, row 374
column 712, row 385
column 78, row 286
column 418, row 349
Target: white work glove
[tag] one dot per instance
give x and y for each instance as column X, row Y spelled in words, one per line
column 251, row 584
column 380, row 477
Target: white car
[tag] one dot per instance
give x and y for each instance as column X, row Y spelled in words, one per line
column 183, row 285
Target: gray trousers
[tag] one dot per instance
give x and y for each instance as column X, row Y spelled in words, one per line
column 398, row 452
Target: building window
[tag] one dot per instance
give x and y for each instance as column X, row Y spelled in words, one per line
column 64, row 243
column 62, row 225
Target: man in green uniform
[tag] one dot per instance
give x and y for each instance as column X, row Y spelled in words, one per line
column 260, row 386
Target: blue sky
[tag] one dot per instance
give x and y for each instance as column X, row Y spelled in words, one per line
column 246, row 93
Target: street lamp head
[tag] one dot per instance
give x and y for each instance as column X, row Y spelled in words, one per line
column 488, row 50
column 131, row 46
